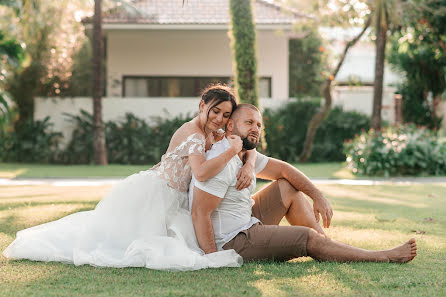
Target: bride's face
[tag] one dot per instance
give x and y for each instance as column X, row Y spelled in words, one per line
column 217, row 116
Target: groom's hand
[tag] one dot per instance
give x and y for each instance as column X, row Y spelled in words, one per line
column 322, row 207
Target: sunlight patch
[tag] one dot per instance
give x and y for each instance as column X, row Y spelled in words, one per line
column 12, row 173
column 323, row 284
column 368, row 195
column 368, row 238
column 342, row 216
column 47, row 193
column 344, row 173
column 21, row 272
column 35, row 215
column 5, row 240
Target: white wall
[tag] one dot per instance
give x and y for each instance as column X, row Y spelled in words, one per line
column 358, row 99
column 190, row 53
column 361, row 99
column 360, row 59
column 116, row 108
column 360, row 63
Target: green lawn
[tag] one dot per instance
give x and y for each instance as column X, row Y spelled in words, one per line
column 11, row 170
column 375, row 217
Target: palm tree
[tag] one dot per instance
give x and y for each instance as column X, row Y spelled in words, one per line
column 100, row 153
column 387, row 13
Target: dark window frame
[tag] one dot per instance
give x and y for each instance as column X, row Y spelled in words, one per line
column 196, row 78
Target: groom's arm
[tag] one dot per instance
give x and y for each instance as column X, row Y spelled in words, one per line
column 276, row 169
column 202, row 207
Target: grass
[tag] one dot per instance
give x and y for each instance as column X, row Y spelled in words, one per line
column 375, row 217
column 17, row 170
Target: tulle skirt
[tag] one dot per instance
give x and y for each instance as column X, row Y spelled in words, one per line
column 141, row 222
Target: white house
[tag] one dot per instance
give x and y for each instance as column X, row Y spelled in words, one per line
column 161, row 53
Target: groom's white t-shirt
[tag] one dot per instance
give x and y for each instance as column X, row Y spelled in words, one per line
column 234, row 212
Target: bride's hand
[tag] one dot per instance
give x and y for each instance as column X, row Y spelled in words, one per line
column 244, row 177
column 236, row 143
column 218, row 135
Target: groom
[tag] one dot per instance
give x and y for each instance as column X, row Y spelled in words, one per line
column 225, row 218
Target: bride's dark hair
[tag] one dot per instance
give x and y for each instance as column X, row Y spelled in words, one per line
column 218, row 93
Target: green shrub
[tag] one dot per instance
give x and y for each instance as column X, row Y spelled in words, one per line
column 80, row 148
column 306, row 64
column 286, row 128
column 131, row 141
column 405, row 150
column 34, row 142
column 338, row 126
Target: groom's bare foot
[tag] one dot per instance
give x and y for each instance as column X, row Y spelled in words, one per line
column 403, row 253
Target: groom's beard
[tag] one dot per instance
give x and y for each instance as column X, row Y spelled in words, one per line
column 249, row 145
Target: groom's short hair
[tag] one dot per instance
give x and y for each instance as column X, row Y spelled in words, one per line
column 240, row 107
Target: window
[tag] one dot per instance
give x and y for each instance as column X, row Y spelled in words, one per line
column 140, row 86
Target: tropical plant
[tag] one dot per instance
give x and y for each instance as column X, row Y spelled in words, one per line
column 49, row 43
column 386, row 14
column 34, row 142
column 129, row 141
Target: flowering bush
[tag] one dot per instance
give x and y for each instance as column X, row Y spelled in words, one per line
column 405, row 150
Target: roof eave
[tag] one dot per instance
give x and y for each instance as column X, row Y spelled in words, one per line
column 135, row 26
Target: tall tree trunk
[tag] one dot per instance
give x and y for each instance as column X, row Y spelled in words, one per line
column 317, row 119
column 100, row 153
column 381, row 38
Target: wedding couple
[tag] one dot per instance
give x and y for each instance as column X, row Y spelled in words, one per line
column 163, row 218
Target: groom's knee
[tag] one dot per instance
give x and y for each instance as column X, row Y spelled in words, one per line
column 315, row 241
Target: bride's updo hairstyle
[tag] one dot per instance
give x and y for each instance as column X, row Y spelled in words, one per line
column 217, row 94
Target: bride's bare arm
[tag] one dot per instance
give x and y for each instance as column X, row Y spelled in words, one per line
column 205, row 169
column 245, row 174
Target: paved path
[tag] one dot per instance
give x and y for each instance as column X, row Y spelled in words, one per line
column 61, row 182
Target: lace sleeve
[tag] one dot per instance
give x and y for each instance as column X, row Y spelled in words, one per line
column 194, row 145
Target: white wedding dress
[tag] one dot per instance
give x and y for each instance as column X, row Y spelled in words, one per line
column 142, row 222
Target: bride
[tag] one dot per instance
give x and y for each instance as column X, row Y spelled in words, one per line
column 143, row 221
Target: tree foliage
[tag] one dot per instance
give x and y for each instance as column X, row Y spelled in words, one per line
column 50, row 33
column 306, row 64
column 418, row 51
column 243, row 39
column 342, row 13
